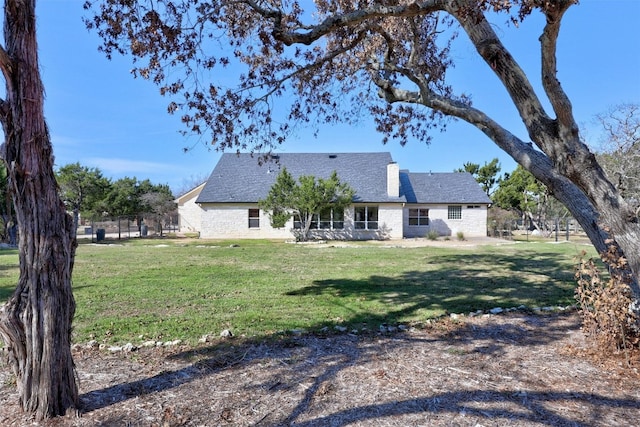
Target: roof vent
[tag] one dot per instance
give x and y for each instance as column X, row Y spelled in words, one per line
column 333, row 156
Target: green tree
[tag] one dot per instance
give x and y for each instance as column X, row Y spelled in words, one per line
column 82, row 189
column 331, row 61
column 486, row 175
column 135, row 199
column 522, row 192
column 305, row 199
column 36, row 321
column 123, row 198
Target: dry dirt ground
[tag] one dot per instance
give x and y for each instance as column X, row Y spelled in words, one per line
column 515, row 369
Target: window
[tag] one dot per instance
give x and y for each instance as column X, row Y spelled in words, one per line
column 329, row 219
column 254, row 218
column 473, row 207
column 455, row 212
column 418, row 217
column 366, row 218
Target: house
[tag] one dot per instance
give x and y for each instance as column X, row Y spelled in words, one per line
column 388, row 202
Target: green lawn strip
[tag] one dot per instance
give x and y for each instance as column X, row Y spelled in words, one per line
column 144, row 290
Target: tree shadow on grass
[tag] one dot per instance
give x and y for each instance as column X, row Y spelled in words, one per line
column 312, row 361
column 457, row 283
column 6, row 292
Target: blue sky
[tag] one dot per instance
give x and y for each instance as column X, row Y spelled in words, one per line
column 100, row 116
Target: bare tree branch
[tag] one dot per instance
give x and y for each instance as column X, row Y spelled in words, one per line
column 548, row 41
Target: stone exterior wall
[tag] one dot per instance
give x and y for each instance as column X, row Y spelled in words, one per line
column 472, row 224
column 189, row 213
column 231, row 221
column 227, row 221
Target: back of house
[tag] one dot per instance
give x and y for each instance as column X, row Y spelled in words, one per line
column 389, row 203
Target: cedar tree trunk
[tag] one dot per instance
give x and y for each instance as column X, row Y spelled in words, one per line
column 35, row 323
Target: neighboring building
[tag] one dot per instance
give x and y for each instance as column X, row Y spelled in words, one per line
column 389, row 203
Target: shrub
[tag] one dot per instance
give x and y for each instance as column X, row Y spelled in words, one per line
column 433, row 235
column 605, row 306
column 460, row 235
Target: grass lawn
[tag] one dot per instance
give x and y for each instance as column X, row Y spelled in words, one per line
column 173, row 289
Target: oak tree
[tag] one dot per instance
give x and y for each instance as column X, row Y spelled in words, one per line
column 248, row 72
column 35, row 323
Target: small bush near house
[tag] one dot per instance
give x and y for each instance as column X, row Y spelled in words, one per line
column 460, row 235
column 433, row 235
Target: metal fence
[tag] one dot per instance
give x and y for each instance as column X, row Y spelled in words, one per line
column 126, row 228
column 557, row 228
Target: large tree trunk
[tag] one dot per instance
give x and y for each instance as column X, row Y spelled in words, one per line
column 562, row 161
column 35, row 323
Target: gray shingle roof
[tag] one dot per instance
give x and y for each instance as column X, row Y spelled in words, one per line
column 454, row 187
column 238, row 178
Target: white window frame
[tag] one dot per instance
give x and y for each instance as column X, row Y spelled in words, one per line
column 254, row 221
column 334, row 222
column 454, row 212
column 420, row 217
column 368, row 222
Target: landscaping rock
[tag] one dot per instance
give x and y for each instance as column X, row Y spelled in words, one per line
column 226, row 333
column 205, row 338
column 496, row 310
column 128, row 347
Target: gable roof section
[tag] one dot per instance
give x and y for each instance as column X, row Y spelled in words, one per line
column 453, row 187
column 190, row 194
column 237, row 178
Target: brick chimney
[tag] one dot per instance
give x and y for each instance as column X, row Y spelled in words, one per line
column 393, row 180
